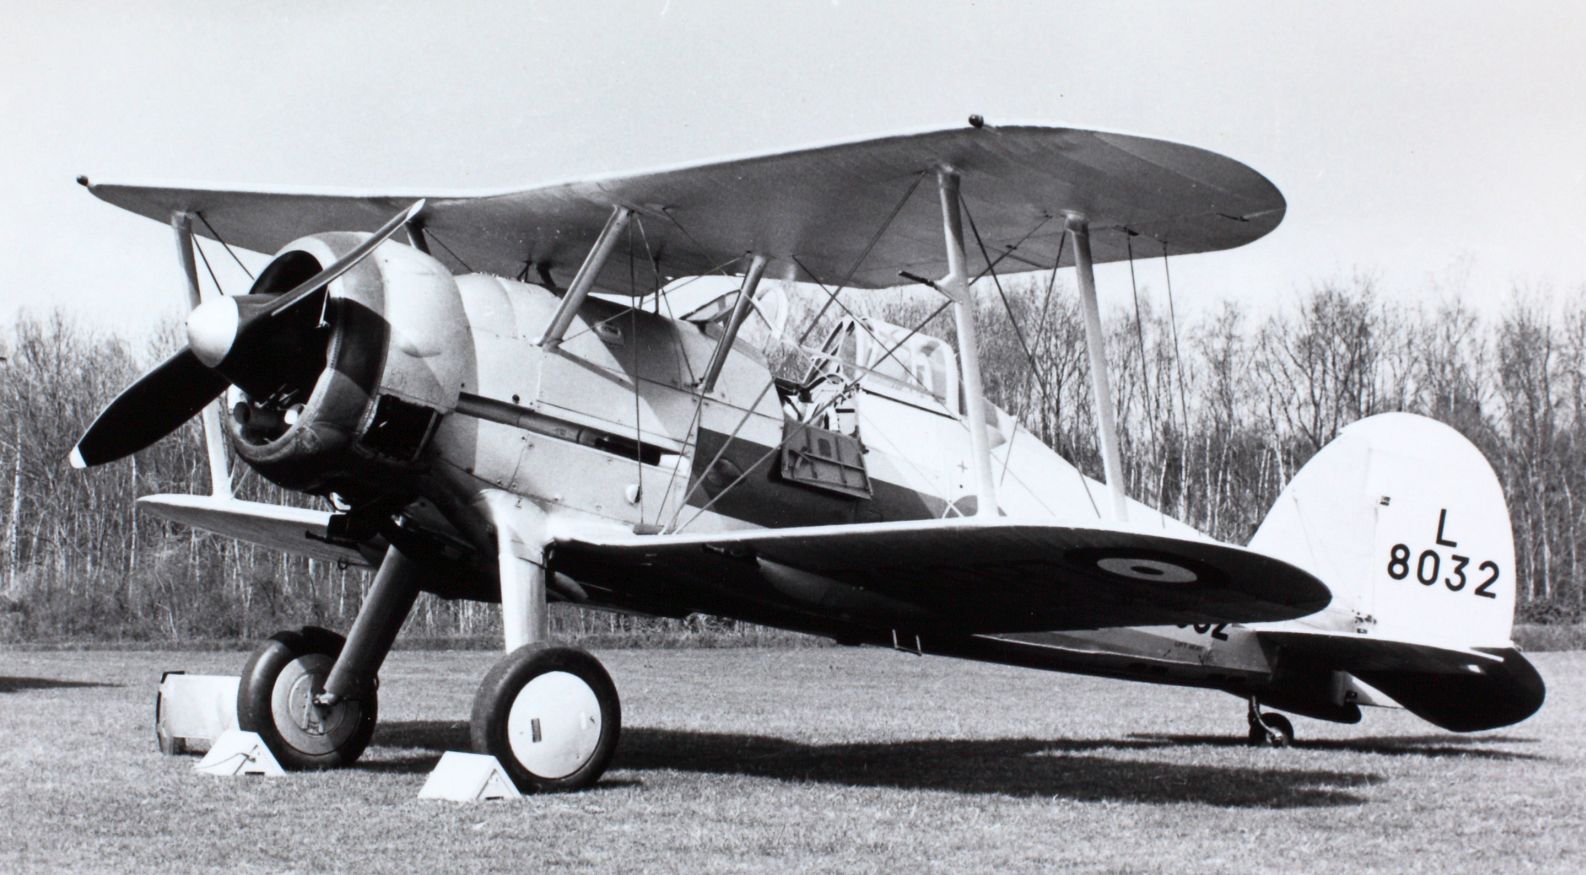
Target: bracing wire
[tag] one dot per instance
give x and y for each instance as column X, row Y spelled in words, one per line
column 1178, row 366
column 1035, row 368
column 633, row 343
column 1178, row 356
column 749, row 411
column 430, row 233
column 205, row 259
column 1051, row 283
column 229, row 251
column 1139, row 324
column 890, row 353
column 1159, row 445
column 822, row 408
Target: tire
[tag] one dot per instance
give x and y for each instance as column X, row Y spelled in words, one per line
column 275, row 697
column 1278, row 732
column 550, row 716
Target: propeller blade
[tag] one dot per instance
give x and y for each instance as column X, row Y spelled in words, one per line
column 346, row 262
column 153, row 407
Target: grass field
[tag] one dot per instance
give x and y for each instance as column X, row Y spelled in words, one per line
column 817, row 760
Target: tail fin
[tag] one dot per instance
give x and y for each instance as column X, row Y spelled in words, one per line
column 1406, row 523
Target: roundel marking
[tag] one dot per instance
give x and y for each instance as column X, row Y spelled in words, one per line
column 1146, row 569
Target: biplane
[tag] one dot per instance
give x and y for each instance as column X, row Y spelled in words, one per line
column 491, row 411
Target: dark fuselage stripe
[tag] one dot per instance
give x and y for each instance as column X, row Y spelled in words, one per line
column 763, row 498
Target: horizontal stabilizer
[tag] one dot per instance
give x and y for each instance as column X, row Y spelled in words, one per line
column 1354, row 653
column 297, row 530
column 1459, row 690
column 1486, row 697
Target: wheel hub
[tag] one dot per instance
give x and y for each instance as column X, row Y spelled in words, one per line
column 303, row 723
column 554, row 724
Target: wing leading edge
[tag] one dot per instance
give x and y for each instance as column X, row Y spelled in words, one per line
column 958, row 576
column 820, row 206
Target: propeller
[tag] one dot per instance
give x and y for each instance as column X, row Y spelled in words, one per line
column 222, row 335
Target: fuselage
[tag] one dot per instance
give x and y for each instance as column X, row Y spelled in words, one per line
column 609, row 429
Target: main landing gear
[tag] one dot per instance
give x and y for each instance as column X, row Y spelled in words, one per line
column 312, row 696
column 550, row 715
column 276, row 699
column 1267, row 728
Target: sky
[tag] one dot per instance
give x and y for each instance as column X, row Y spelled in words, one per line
column 1437, row 148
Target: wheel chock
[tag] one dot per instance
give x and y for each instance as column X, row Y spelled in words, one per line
column 468, row 777
column 192, row 710
column 238, row 752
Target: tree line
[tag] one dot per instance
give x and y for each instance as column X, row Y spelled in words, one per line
column 1216, row 413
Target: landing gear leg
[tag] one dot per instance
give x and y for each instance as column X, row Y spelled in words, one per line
column 310, row 694
column 1269, row 729
column 550, row 715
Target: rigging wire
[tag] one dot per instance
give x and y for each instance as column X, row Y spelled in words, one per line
column 1139, row 324
column 205, row 259
column 1178, row 366
column 655, row 274
column 1051, row 283
column 859, row 371
column 655, row 265
column 1178, row 356
column 876, row 238
column 991, row 264
column 633, row 343
column 871, row 332
column 1035, row 368
column 430, row 233
column 891, row 353
column 1158, row 444
column 820, row 409
column 826, row 405
column 996, row 281
column 216, row 235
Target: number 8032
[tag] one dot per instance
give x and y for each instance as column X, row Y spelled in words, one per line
column 1428, row 567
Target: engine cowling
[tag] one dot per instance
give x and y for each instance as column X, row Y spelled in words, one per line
column 345, row 398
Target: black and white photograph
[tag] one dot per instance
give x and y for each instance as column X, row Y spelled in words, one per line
column 831, row 436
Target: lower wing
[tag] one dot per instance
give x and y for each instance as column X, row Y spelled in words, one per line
column 962, row 575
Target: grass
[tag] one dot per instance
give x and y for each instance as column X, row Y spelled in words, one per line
column 1534, row 637
column 815, row 759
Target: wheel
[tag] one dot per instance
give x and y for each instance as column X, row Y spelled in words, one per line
column 550, row 716
column 1278, row 732
column 276, row 700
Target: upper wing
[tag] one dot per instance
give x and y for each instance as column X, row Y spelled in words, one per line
column 821, row 206
column 962, row 575
column 296, row 530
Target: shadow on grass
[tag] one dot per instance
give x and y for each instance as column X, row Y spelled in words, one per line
column 18, row 685
column 1431, row 746
column 1032, row 768
column 435, row 735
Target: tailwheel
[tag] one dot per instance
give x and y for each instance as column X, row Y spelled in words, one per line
column 550, row 716
column 276, row 699
column 1269, row 729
